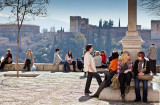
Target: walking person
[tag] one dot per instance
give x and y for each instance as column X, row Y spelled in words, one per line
column 28, row 60
column 89, row 66
column 138, row 66
column 152, row 55
column 7, row 59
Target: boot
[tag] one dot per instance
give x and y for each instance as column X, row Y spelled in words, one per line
column 127, row 89
column 123, row 97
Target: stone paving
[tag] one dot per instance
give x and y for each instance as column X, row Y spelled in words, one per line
column 51, row 88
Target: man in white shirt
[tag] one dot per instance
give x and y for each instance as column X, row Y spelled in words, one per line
column 89, row 66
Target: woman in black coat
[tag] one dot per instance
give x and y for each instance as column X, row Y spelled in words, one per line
column 138, row 66
column 7, row 59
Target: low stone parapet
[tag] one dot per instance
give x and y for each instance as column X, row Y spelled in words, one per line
column 114, row 94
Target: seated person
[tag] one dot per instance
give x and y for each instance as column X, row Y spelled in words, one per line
column 112, row 71
column 104, row 58
column 97, row 59
column 138, row 66
column 57, row 59
column 69, row 61
column 7, row 59
column 28, row 60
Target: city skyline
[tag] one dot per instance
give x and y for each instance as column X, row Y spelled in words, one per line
column 59, row 12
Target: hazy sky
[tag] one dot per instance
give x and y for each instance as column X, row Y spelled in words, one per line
column 59, row 12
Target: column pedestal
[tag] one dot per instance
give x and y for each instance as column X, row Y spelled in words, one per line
column 132, row 43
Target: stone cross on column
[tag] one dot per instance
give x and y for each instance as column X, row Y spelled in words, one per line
column 132, row 41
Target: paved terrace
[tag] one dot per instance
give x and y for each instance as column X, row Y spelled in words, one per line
column 51, row 88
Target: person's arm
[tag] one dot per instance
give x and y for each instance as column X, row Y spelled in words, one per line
column 135, row 67
column 24, row 61
column 54, row 60
column 147, row 68
column 118, row 68
column 111, row 65
column 90, row 67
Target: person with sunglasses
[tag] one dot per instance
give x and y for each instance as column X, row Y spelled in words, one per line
column 138, row 65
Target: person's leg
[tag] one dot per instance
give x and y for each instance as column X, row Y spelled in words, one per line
column 137, row 89
column 74, row 65
column 88, row 82
column 28, row 64
column 122, row 83
column 3, row 64
column 145, row 90
column 154, row 67
column 97, row 76
column 151, row 65
column 109, row 77
column 65, row 65
column 101, row 87
column 128, row 81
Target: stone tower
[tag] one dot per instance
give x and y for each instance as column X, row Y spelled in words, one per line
column 75, row 24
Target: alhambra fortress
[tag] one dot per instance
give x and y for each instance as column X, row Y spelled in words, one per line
column 31, row 34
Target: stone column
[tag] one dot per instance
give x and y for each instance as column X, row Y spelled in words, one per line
column 132, row 42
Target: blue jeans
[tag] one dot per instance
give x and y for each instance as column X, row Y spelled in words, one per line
column 137, row 89
column 66, row 66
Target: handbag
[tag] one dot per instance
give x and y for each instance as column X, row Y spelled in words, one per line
column 9, row 60
column 145, row 76
column 115, row 82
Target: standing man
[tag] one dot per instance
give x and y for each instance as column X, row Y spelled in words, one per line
column 89, row 66
column 152, row 55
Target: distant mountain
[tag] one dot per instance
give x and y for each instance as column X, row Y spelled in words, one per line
column 46, row 23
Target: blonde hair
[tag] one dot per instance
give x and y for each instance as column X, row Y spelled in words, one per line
column 123, row 57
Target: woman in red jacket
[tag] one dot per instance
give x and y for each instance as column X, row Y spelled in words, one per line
column 104, row 58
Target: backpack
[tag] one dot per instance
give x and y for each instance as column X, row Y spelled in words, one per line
column 79, row 64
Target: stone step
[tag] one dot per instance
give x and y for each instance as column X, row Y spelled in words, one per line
column 110, row 94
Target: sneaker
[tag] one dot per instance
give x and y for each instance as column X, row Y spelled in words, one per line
column 88, row 92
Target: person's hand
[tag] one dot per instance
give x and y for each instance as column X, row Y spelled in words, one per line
column 140, row 74
column 117, row 77
column 126, row 71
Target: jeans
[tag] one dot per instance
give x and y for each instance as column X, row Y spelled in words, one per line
column 124, row 80
column 137, row 89
column 89, row 79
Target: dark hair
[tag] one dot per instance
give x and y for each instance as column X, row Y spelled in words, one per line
column 57, row 49
column 141, row 54
column 115, row 55
column 152, row 43
column 70, row 55
column 88, row 47
column 102, row 51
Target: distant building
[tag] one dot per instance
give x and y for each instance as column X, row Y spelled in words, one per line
column 7, row 30
column 155, row 29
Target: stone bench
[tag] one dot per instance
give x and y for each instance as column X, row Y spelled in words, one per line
column 110, row 94
column 39, row 66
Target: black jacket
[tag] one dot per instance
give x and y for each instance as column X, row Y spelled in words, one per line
column 9, row 56
column 135, row 68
